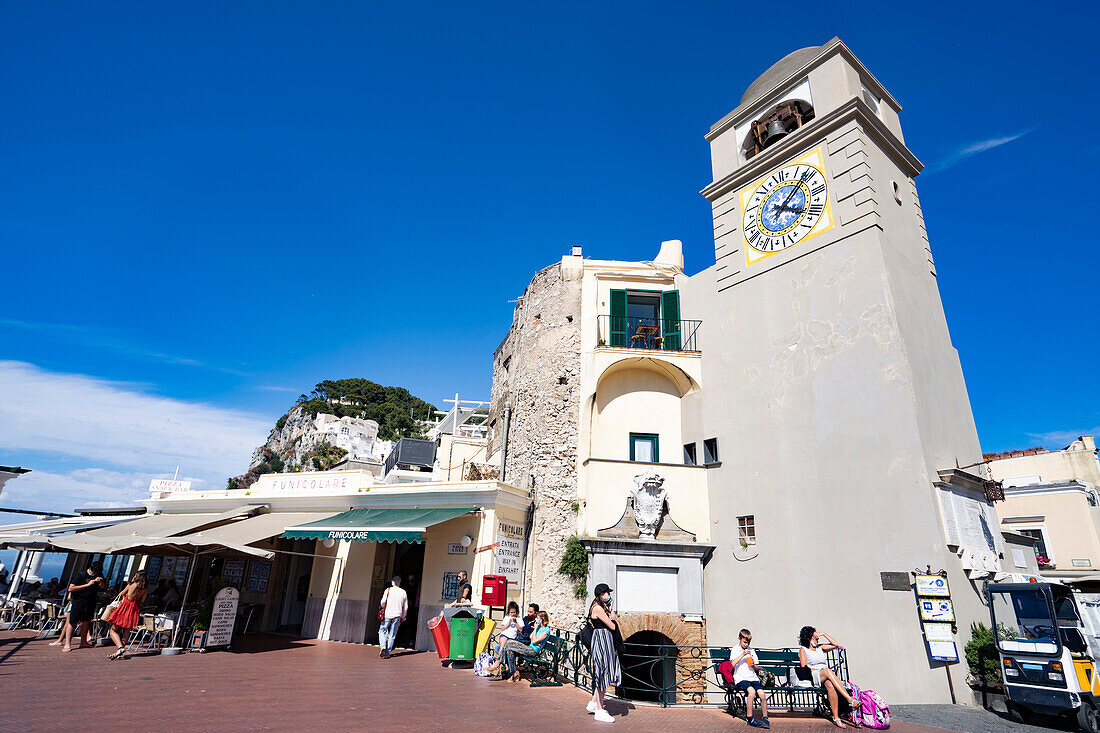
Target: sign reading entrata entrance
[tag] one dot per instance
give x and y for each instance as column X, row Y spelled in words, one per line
column 222, row 617
column 509, row 553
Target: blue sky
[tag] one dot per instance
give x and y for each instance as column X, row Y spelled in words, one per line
column 207, row 208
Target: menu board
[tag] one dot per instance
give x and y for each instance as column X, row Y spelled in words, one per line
column 167, row 567
column 222, row 617
column 233, row 573
column 258, row 573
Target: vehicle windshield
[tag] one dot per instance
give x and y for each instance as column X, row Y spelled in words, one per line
column 1024, row 622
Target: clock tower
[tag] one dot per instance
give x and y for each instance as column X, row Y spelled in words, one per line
column 832, row 383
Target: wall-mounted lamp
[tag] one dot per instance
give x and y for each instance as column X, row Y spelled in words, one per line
column 328, row 543
column 466, row 540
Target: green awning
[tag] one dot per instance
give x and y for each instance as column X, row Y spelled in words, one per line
column 375, row 524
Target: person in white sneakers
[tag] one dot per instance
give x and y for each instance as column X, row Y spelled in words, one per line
column 605, row 658
column 746, row 680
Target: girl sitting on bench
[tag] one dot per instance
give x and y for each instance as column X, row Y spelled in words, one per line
column 815, row 668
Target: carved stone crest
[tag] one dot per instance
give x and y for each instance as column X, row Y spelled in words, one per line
column 648, row 496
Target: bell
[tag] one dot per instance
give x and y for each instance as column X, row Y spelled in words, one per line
column 774, row 133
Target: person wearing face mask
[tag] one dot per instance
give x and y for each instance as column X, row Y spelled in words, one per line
column 605, row 658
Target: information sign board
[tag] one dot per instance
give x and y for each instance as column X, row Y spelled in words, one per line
column 258, row 573
column 936, row 609
column 932, row 585
column 943, row 651
column 509, row 550
column 233, row 572
column 450, row 585
column 938, row 632
column 222, row 617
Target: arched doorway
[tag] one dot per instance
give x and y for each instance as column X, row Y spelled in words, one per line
column 649, row 668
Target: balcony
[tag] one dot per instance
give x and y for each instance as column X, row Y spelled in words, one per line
column 655, row 334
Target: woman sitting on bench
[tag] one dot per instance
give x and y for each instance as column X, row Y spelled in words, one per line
column 815, row 668
column 507, row 663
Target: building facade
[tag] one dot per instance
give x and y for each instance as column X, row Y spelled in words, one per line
column 761, row 444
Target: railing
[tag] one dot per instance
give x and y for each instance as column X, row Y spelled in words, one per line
column 667, row 674
column 662, row 334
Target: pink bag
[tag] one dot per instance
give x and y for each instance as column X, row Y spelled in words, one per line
column 873, row 712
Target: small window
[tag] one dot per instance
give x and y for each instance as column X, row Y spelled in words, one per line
column 746, row 530
column 643, row 448
column 689, row 455
column 1040, row 541
column 506, row 363
column 710, row 451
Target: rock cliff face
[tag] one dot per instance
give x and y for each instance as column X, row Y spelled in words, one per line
column 298, row 436
column 536, row 382
column 287, row 441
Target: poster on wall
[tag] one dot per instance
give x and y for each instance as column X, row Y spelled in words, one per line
column 233, row 573
column 509, row 550
column 179, row 574
column 943, row 651
column 450, row 586
column 152, row 567
column 166, row 567
column 258, row 573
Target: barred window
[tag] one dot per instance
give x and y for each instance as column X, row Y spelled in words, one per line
column 746, row 530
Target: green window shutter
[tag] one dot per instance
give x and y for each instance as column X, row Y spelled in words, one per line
column 670, row 316
column 618, row 318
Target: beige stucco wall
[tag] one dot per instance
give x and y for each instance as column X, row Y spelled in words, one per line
column 636, row 401
column 1069, row 524
column 606, row 485
column 1077, row 461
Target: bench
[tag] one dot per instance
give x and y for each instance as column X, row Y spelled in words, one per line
column 781, row 695
column 544, row 668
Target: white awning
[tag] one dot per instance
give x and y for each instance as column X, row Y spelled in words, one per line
column 237, row 536
column 36, row 535
column 146, row 532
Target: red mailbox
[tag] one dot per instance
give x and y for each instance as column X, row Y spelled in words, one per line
column 494, row 590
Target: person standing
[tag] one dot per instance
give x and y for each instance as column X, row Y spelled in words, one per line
column 127, row 614
column 465, row 591
column 395, row 606
column 82, row 597
column 605, row 659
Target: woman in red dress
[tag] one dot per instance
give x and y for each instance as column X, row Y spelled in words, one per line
column 127, row 614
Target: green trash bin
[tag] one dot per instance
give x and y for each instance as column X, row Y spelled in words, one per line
column 463, row 636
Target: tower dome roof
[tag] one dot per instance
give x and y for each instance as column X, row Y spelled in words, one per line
column 779, row 71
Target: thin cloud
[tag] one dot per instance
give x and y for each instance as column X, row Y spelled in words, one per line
column 1061, row 438
column 274, row 388
column 84, row 488
column 120, row 428
column 958, row 156
column 99, row 338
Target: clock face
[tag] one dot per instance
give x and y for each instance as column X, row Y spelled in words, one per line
column 785, row 207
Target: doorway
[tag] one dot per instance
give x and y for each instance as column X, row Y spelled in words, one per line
column 407, row 560
column 649, row 668
column 296, row 589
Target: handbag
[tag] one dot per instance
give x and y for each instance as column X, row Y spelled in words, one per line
column 585, row 633
column 382, row 606
column 110, row 607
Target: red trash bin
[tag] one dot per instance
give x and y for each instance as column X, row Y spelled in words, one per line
column 494, row 590
column 442, row 636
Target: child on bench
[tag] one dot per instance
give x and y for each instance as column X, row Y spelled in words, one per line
column 746, row 680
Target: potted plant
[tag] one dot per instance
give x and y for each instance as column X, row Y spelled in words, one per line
column 1043, row 561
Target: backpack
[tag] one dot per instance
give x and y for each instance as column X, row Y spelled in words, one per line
column 874, row 712
column 726, row 670
column 850, row 716
column 482, row 663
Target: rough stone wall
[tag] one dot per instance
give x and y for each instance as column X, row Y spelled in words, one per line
column 536, row 372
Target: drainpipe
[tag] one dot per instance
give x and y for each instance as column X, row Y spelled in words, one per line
column 504, row 444
column 527, row 526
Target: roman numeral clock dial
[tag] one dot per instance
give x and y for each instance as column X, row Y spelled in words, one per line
column 788, row 206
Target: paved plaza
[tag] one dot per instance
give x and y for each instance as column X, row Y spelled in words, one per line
column 276, row 683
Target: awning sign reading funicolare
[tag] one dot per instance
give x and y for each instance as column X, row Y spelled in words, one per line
column 375, row 524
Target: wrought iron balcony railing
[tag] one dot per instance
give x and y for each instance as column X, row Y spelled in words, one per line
column 662, row 334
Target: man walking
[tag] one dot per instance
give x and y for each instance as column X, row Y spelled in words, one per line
column 395, row 606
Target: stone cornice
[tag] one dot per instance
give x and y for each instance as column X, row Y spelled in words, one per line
column 818, row 128
column 603, row 546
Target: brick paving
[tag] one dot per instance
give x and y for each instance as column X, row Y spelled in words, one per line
column 276, row 683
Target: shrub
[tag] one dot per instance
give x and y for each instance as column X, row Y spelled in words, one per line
column 981, row 654
column 574, row 565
